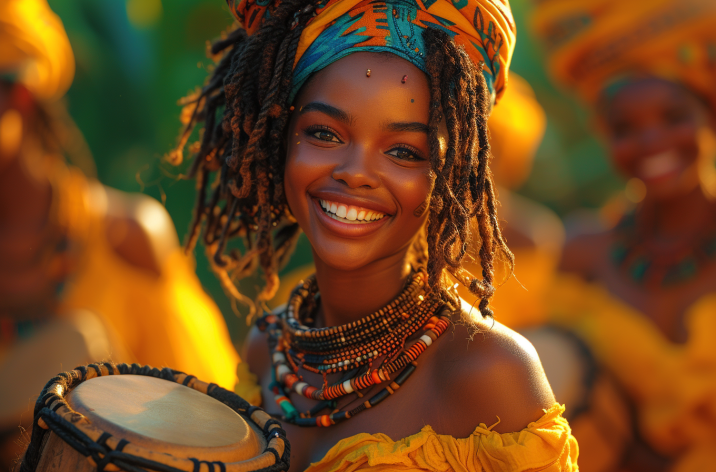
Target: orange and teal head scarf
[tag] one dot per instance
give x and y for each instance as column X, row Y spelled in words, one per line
column 484, row 28
column 593, row 44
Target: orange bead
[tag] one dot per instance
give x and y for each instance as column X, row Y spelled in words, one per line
column 376, row 378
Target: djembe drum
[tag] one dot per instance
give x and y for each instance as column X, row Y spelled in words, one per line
column 133, row 418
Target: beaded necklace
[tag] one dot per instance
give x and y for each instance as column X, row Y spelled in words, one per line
column 633, row 256
column 387, row 337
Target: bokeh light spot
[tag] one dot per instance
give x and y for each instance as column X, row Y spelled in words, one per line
column 144, row 13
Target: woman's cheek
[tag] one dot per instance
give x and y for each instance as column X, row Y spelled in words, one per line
column 294, row 183
column 624, row 155
column 686, row 139
column 415, row 193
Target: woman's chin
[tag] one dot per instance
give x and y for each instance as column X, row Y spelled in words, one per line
column 669, row 187
column 343, row 261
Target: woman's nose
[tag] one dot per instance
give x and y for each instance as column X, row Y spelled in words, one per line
column 357, row 169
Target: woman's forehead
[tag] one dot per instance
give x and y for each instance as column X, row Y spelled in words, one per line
column 375, row 83
column 640, row 94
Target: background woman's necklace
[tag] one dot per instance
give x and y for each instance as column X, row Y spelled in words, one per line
column 635, row 255
column 386, row 338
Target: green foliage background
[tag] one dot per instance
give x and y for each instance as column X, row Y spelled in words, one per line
column 136, row 58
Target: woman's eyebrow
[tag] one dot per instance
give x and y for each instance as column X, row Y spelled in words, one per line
column 408, row 126
column 329, row 110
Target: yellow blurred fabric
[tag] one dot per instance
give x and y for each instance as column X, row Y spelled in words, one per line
column 247, row 386
column 594, row 43
column 163, row 321
column 672, row 385
column 520, row 301
column 516, row 126
column 35, row 49
column 544, row 445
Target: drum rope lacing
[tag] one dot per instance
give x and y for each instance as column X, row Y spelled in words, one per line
column 64, row 425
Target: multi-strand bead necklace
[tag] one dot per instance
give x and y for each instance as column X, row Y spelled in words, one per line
column 393, row 337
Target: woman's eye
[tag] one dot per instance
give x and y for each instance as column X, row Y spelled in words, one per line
column 621, row 130
column 405, row 154
column 324, row 135
column 676, row 117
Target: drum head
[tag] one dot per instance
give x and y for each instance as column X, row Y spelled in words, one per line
column 166, row 417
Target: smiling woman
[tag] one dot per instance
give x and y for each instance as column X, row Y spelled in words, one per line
column 647, row 70
column 363, row 124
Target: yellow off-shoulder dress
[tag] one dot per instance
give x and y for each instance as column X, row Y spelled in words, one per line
column 672, row 385
column 544, row 445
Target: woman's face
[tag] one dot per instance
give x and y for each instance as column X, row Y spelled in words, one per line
column 659, row 133
column 357, row 170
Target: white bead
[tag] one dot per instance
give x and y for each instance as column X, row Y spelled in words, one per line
column 426, row 339
column 278, row 357
column 298, row 386
column 282, row 370
column 347, row 386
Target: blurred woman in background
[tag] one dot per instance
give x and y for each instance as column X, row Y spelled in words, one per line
column 87, row 273
column 647, row 70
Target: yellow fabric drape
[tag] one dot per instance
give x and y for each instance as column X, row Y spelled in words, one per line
column 35, row 48
column 545, row 445
column 162, row 321
column 672, row 385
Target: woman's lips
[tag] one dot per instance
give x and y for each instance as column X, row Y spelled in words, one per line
column 348, row 220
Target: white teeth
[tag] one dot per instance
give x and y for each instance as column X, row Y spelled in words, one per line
column 343, row 212
column 659, row 164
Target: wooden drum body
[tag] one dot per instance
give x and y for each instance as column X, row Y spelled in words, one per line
column 122, row 417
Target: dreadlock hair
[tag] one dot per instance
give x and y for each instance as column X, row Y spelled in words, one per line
column 245, row 110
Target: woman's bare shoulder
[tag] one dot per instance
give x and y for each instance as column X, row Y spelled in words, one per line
column 492, row 371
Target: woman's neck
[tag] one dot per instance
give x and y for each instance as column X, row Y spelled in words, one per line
column 677, row 217
column 347, row 296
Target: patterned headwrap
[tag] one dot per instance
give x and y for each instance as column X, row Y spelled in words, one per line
column 592, row 44
column 485, row 29
column 34, row 49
